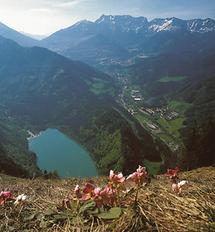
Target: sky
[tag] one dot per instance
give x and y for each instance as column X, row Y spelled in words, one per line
column 43, row 17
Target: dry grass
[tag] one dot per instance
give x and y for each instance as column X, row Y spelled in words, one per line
column 158, row 209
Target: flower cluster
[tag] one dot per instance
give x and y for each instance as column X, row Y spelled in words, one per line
column 109, row 194
column 173, row 173
column 177, row 187
column 7, row 196
column 139, row 177
column 102, row 196
column 176, row 184
column 20, row 199
column 116, row 178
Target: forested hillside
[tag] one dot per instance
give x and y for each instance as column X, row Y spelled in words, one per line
column 41, row 89
column 200, row 124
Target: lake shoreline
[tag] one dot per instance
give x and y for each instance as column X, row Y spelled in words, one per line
column 56, row 151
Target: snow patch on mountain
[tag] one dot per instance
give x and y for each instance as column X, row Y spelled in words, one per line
column 201, row 25
column 166, row 26
column 125, row 23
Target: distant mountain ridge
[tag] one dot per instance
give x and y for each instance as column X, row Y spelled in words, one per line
column 18, row 37
column 135, row 35
column 127, row 23
column 112, row 23
column 141, row 24
column 126, row 31
column 34, row 36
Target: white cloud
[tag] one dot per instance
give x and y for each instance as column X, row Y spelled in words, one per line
column 39, row 16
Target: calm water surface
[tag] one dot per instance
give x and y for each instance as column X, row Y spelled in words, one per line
column 55, row 151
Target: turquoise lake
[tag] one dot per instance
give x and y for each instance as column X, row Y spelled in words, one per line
column 56, row 151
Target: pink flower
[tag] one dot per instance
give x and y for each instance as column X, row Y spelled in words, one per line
column 87, row 192
column 97, row 197
column 139, row 176
column 77, row 188
column 97, row 191
column 77, row 191
column 108, row 195
column 141, row 169
column 4, row 196
column 88, row 187
column 116, row 178
column 172, row 173
column 105, row 196
column 177, row 187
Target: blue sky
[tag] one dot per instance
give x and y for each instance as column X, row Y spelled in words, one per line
column 47, row 16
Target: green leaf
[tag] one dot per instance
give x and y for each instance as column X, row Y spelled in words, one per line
column 44, row 224
column 93, row 212
column 60, row 216
column 30, row 218
column 49, row 212
column 90, row 205
column 112, row 213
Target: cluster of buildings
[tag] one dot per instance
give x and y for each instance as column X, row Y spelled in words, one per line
column 152, row 126
column 167, row 113
column 162, row 112
column 153, row 113
column 172, row 115
column 136, row 95
column 147, row 111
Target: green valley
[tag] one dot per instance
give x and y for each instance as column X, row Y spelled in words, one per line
column 41, row 90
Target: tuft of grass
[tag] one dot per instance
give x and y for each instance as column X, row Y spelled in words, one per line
column 158, row 208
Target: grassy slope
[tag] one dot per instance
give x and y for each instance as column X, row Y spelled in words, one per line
column 158, row 208
column 173, row 126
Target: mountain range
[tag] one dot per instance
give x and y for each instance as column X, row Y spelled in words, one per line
column 117, row 39
column 129, row 37
column 168, row 60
